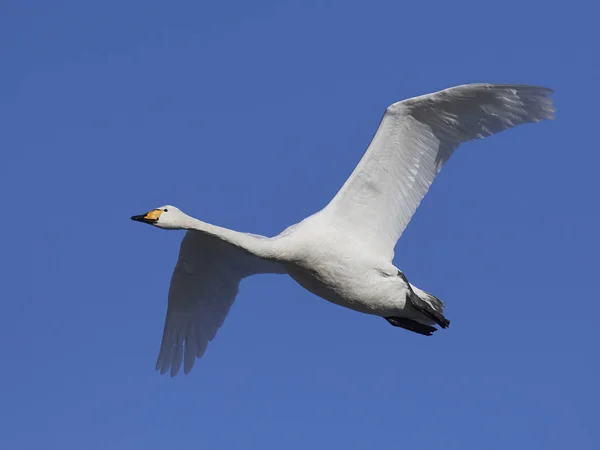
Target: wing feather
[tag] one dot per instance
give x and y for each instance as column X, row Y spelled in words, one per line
column 415, row 138
column 203, row 287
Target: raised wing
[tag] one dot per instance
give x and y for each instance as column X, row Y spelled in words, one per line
column 414, row 140
column 203, row 287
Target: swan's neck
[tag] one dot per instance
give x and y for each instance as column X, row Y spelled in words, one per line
column 258, row 246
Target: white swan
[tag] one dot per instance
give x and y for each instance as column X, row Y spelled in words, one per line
column 344, row 252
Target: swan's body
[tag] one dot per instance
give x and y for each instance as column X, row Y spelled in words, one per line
column 344, row 252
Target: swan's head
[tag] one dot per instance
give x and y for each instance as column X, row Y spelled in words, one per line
column 166, row 216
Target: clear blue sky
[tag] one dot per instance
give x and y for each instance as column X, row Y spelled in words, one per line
column 251, row 115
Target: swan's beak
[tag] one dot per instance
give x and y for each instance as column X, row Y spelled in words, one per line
column 151, row 217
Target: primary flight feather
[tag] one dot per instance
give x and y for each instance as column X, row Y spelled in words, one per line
column 344, row 252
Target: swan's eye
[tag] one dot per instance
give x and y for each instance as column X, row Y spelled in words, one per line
column 165, row 210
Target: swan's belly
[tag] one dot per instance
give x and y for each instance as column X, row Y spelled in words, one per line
column 355, row 288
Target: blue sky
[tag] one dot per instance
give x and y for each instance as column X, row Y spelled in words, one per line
column 251, row 115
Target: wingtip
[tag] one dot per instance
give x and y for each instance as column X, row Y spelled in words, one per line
column 174, row 370
column 537, row 100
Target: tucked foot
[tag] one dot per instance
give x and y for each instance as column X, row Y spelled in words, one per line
column 411, row 325
column 424, row 307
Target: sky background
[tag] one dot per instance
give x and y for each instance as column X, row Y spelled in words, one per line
column 251, row 115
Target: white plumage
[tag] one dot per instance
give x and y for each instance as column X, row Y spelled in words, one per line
column 344, row 252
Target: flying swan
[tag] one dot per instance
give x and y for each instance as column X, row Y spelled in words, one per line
column 344, row 252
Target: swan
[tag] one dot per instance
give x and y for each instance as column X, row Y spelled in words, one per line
column 344, row 252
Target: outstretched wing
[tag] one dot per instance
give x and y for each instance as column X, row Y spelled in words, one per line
column 414, row 140
column 203, row 287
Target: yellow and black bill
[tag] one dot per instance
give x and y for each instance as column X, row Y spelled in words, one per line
column 150, row 217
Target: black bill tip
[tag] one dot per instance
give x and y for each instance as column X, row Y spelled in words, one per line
column 143, row 218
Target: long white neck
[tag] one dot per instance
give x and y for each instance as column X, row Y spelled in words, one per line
column 262, row 247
